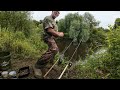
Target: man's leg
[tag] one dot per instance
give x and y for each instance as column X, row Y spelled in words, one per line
column 54, row 48
column 49, row 55
column 41, row 63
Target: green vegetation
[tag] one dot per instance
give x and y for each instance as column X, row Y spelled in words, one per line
column 105, row 63
column 117, row 23
column 22, row 36
column 82, row 27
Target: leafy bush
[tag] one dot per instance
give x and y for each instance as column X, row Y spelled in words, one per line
column 21, row 35
column 19, row 45
column 98, row 37
column 114, row 48
column 104, row 65
column 6, row 38
column 93, row 67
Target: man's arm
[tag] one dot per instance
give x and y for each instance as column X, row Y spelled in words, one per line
column 55, row 33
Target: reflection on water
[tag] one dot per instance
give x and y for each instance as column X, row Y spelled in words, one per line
column 81, row 52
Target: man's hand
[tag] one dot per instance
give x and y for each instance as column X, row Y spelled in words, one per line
column 61, row 34
column 54, row 33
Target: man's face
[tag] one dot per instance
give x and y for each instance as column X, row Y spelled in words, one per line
column 55, row 14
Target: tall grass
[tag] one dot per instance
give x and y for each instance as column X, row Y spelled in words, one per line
column 19, row 45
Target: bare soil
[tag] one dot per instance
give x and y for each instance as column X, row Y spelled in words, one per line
column 17, row 64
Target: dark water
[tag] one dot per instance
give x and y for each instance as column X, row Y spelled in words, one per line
column 80, row 53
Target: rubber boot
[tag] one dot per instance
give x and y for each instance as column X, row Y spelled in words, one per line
column 37, row 73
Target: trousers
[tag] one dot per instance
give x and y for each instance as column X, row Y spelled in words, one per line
column 49, row 55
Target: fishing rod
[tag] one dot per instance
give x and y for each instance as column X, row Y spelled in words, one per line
column 68, row 64
column 59, row 59
column 61, row 56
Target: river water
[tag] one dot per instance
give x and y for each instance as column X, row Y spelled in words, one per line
column 80, row 53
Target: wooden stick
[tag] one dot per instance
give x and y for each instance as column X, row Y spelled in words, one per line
column 63, row 71
column 50, row 69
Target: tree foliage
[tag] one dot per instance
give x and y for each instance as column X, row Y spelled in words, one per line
column 78, row 26
column 20, row 35
column 17, row 21
column 117, row 23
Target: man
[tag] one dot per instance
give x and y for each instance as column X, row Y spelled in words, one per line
column 51, row 32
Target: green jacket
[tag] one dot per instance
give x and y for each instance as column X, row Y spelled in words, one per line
column 49, row 22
